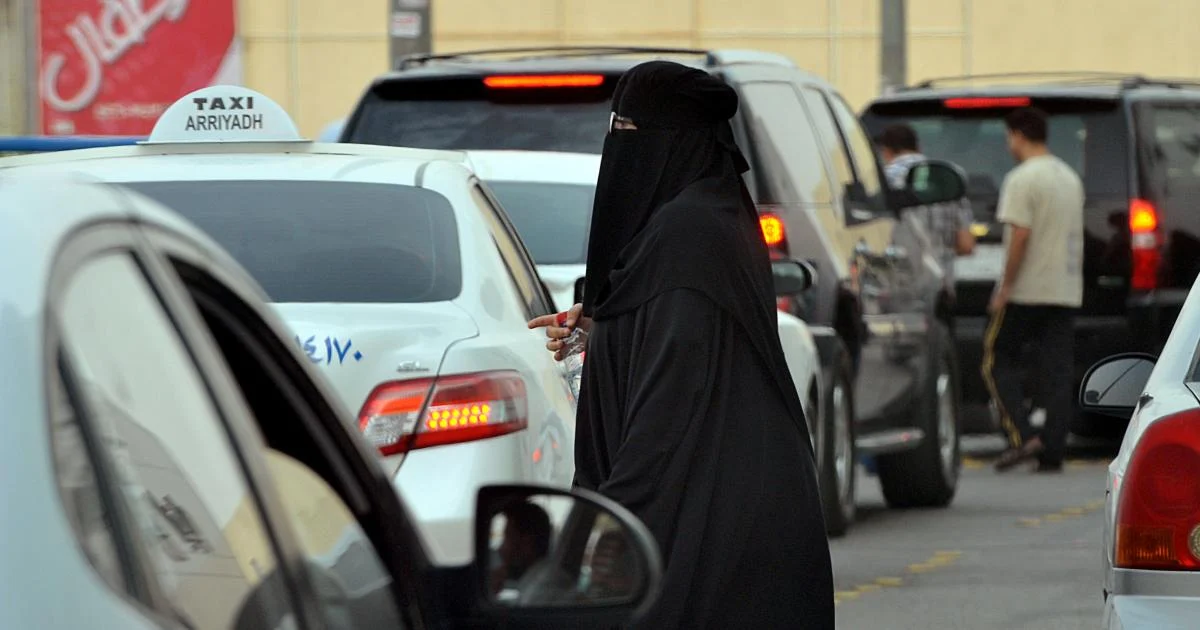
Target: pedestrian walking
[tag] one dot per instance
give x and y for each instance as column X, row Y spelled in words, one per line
column 1041, row 206
column 687, row 413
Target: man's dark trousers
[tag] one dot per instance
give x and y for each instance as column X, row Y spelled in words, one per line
column 1049, row 332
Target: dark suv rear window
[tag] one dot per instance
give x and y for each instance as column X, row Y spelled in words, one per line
column 1091, row 136
column 465, row 114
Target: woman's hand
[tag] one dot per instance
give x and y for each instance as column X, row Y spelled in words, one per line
column 558, row 329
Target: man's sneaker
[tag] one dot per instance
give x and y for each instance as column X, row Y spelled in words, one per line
column 1014, row 456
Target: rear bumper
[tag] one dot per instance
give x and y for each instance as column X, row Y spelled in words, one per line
column 1138, row 612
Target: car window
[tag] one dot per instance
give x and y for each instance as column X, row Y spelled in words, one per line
column 822, row 119
column 200, row 527
column 352, row 586
column 88, row 510
column 310, row 241
column 862, row 151
column 781, row 127
column 520, row 269
column 553, row 219
column 1176, row 150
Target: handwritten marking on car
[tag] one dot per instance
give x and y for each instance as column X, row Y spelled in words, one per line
column 335, row 349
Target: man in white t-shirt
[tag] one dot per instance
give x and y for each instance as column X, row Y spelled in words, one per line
column 1041, row 207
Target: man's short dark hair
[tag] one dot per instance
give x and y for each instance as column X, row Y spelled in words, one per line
column 532, row 522
column 1030, row 122
column 899, row 137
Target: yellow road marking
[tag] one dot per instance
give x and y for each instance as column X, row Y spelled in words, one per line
column 1073, row 511
column 867, row 588
column 846, row 595
column 1055, row 518
column 889, row 581
column 1030, row 522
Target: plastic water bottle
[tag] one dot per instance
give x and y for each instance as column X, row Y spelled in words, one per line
column 574, row 349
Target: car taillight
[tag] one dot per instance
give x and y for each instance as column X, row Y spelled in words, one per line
column 402, row 416
column 527, row 81
column 1158, row 509
column 1144, row 242
column 773, row 231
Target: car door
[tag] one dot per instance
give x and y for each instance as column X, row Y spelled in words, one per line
column 326, row 495
column 553, row 461
column 178, row 528
column 887, row 271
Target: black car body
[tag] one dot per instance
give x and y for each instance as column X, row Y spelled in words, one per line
column 879, row 314
column 1135, row 143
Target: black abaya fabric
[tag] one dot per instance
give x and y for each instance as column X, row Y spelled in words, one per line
column 687, row 414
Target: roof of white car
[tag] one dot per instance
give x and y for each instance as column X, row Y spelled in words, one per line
column 535, row 166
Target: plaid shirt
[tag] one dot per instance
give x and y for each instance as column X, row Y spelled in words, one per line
column 940, row 222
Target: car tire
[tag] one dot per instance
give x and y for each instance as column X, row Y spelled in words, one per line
column 838, row 460
column 927, row 476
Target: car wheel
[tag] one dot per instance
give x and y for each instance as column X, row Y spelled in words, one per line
column 927, row 476
column 838, row 457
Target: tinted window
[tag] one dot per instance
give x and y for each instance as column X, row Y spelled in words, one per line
column 553, row 219
column 538, row 121
column 818, row 109
column 520, row 269
column 861, row 150
column 1091, row 138
column 783, row 135
column 1175, row 150
column 177, row 471
column 307, row 241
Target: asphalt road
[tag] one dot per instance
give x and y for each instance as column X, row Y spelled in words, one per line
column 1018, row 550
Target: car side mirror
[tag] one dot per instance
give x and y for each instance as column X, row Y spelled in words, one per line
column 934, row 181
column 578, row 298
column 793, row 276
column 548, row 557
column 1114, row 385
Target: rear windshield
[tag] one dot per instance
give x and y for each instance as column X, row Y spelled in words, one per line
column 306, row 241
column 552, row 219
column 1091, row 137
column 463, row 114
column 1173, row 131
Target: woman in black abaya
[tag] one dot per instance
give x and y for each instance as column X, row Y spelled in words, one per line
column 687, row 414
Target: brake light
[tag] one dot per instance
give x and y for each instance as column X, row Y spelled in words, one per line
column 976, row 102
column 1144, row 242
column 543, row 81
column 772, row 229
column 1158, row 510
column 401, row 416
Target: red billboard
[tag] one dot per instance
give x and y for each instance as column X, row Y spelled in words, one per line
column 110, row 67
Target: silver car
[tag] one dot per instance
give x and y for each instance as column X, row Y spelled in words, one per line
column 1152, row 515
column 171, row 459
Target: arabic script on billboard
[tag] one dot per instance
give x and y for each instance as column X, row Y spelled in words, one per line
column 110, row 67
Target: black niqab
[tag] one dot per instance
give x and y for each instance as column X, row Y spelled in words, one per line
column 688, row 415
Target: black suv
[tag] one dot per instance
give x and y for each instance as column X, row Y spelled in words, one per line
column 1135, row 142
column 879, row 313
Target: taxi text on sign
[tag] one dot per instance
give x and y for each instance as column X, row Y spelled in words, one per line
column 224, row 113
column 111, row 67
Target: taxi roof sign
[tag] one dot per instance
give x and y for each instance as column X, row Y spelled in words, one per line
column 224, row 113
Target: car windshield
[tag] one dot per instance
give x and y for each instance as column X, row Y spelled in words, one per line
column 553, row 219
column 1091, row 141
column 308, row 241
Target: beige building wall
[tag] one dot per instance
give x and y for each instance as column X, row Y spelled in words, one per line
column 316, row 56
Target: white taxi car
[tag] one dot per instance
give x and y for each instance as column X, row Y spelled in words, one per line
column 548, row 196
column 401, row 279
column 174, row 462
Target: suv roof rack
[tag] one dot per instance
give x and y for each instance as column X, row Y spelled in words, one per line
column 1063, row 76
column 1123, row 80
column 541, row 52
column 711, row 57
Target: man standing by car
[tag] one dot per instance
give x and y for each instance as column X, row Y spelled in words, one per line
column 899, row 149
column 1041, row 207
